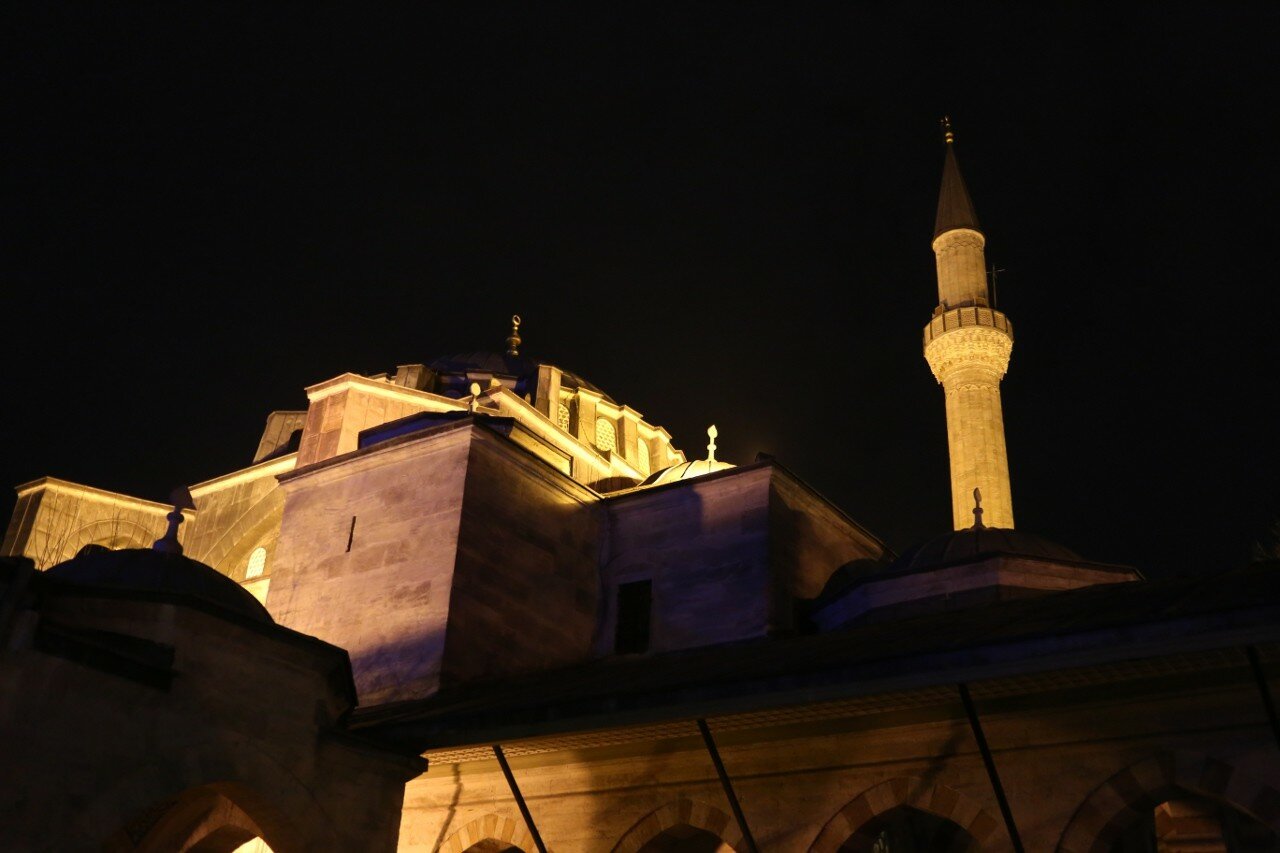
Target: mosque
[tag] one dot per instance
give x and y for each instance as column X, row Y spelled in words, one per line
column 480, row 606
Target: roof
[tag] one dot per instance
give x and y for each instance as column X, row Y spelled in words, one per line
column 145, row 570
column 961, row 545
column 955, row 208
column 1089, row 626
column 685, row 471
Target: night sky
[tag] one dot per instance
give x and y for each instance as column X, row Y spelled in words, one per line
column 717, row 215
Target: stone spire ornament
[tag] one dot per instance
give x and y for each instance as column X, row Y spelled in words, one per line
column 513, row 339
column 977, row 509
column 712, row 433
column 168, row 543
column 474, row 404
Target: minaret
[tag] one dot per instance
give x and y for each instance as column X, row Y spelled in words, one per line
column 967, row 345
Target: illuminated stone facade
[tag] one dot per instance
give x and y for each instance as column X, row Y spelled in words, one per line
column 671, row 655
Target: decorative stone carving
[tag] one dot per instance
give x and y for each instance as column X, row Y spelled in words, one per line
column 971, row 353
column 958, row 238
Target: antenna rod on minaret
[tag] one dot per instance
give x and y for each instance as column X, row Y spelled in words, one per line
column 994, row 271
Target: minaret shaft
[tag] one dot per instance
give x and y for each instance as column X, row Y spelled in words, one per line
column 967, row 345
column 962, row 268
column 975, row 441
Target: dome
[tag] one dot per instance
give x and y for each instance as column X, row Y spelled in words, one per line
column 685, row 471
column 145, row 570
column 959, row 546
column 522, row 369
column 493, row 362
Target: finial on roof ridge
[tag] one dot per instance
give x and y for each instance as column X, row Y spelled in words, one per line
column 168, row 543
column 513, row 339
column 474, row 404
column 712, row 433
column 977, row 509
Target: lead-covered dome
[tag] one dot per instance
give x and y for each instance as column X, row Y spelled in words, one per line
column 146, row 570
column 684, row 471
column 961, row 546
column 454, row 372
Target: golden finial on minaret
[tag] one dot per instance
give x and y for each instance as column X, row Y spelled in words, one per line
column 948, row 136
column 513, row 339
column 712, row 432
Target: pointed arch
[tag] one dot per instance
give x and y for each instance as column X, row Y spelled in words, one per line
column 935, row 799
column 490, row 827
column 214, row 818
column 114, row 533
column 681, row 812
column 257, row 525
column 144, row 794
column 1131, row 794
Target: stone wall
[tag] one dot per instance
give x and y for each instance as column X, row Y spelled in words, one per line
column 526, row 585
column 1071, row 765
column 703, row 543
column 102, row 750
column 366, row 558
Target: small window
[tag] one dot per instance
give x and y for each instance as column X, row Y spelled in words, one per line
column 635, row 603
column 562, row 417
column 642, row 456
column 257, row 563
column 606, row 435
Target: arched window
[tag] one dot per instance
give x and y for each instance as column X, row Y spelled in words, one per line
column 606, row 435
column 642, row 456
column 906, row 828
column 257, row 563
column 562, row 417
column 686, row 839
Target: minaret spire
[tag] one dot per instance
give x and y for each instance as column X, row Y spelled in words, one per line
column 955, row 208
column 967, row 345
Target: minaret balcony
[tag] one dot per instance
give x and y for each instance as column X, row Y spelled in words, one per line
column 966, row 317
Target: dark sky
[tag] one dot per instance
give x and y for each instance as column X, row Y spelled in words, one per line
column 719, row 214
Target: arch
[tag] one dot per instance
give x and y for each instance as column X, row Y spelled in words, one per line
column 681, row 813
column 221, row 817
column 148, row 791
column 489, row 834
column 114, row 533
column 1129, row 795
column 906, row 827
column 257, row 526
column 935, row 799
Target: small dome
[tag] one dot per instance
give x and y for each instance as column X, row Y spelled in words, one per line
column 145, row 570
column 961, row 545
column 685, row 471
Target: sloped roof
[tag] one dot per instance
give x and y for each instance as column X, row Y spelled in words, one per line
column 955, row 208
